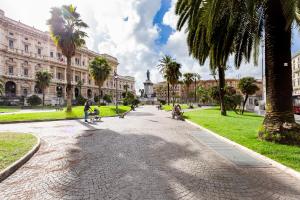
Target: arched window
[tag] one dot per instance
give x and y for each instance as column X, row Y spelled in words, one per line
column 10, row 89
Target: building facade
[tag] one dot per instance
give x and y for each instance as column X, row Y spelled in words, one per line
column 25, row 50
column 296, row 74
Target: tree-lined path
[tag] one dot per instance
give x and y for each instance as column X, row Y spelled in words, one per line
column 146, row 155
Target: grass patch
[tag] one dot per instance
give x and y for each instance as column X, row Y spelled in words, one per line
column 77, row 112
column 170, row 107
column 6, row 109
column 243, row 130
column 13, row 146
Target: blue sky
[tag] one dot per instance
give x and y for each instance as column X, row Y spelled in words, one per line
column 165, row 30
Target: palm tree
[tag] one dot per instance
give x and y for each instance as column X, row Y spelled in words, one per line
column 196, row 78
column 247, row 86
column 240, row 25
column 43, row 79
column 1, row 88
column 164, row 62
column 188, row 80
column 100, row 71
column 172, row 75
column 65, row 28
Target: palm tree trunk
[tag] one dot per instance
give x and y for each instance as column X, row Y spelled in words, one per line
column 69, row 85
column 99, row 95
column 279, row 123
column 43, row 98
column 195, row 92
column 168, row 93
column 221, row 73
column 244, row 103
column 173, row 95
column 187, row 95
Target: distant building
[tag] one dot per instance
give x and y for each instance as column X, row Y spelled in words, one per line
column 160, row 90
column 296, row 74
column 25, row 50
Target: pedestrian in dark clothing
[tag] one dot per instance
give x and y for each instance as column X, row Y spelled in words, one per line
column 87, row 107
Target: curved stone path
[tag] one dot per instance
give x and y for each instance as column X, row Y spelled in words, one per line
column 144, row 156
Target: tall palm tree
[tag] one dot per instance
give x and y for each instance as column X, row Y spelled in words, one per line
column 43, row 79
column 100, row 71
column 164, row 63
column 172, row 75
column 65, row 28
column 196, row 78
column 241, row 24
column 1, row 87
column 188, row 80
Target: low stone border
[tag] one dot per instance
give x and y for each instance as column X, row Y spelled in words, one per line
column 274, row 163
column 17, row 164
column 53, row 120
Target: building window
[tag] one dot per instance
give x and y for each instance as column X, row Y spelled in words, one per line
column 77, row 61
column 83, row 63
column 11, row 44
column 25, row 62
column 89, row 82
column 11, row 60
column 25, row 92
column 77, row 78
column 59, row 75
column 26, row 48
column 25, row 72
column 26, row 38
column 51, row 54
column 10, row 33
column 11, row 70
column 39, row 51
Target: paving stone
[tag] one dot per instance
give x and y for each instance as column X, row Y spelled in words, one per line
column 146, row 156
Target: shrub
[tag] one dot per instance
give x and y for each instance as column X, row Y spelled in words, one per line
column 34, row 100
column 96, row 98
column 80, row 100
column 163, row 102
column 107, row 98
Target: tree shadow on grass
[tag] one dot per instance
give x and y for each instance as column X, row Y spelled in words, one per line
column 108, row 164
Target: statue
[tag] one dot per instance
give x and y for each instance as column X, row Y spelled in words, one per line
column 148, row 75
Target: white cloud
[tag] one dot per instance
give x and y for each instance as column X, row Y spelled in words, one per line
column 131, row 41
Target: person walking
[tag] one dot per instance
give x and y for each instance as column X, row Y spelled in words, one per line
column 87, row 107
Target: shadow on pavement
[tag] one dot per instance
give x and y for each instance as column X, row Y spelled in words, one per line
column 111, row 165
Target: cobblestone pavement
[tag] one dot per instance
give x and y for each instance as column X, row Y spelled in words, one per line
column 146, row 155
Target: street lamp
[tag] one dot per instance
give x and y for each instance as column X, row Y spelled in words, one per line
column 116, row 76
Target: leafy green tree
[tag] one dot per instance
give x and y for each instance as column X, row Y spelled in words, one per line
column 172, row 75
column 188, row 79
column 248, row 87
column 34, row 100
column 164, row 63
column 100, row 71
column 65, row 29
column 43, row 79
column 213, row 24
column 203, row 94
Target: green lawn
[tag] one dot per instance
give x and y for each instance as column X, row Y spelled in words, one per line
column 6, row 109
column 243, row 129
column 13, row 146
column 76, row 113
column 170, row 107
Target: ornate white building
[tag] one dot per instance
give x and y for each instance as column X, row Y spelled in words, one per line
column 25, row 50
column 296, row 74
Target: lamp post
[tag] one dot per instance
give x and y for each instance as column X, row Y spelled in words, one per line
column 116, row 81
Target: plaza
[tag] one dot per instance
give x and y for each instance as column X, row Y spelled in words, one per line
column 146, row 156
